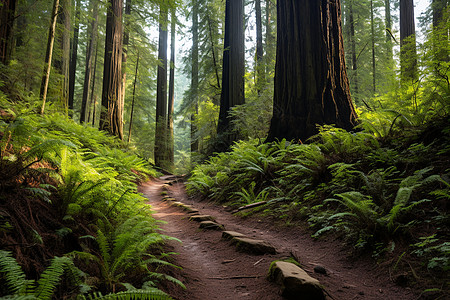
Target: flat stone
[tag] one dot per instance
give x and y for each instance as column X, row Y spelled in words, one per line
column 177, row 203
column 165, row 187
column 210, row 225
column 170, row 199
column 200, row 218
column 295, row 283
column 252, row 246
column 228, row 235
column 163, row 193
column 193, row 212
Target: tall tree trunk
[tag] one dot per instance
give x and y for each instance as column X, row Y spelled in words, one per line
column 111, row 115
column 388, row 23
column 372, row 30
column 260, row 66
column 194, row 76
column 270, row 37
column 170, row 140
column 74, row 56
column 440, row 30
column 62, row 63
column 233, row 72
column 134, row 96
column 7, row 15
column 408, row 51
column 93, row 99
column 88, row 72
column 161, row 93
column 213, row 50
column 311, row 85
column 48, row 56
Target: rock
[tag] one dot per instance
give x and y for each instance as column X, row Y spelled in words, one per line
column 252, row 246
column 320, row 270
column 165, row 187
column 200, row 218
column 295, row 282
column 193, row 212
column 177, row 203
column 163, row 193
column 210, row 225
column 228, row 235
column 169, row 199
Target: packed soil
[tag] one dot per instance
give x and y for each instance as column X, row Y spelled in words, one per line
column 213, row 269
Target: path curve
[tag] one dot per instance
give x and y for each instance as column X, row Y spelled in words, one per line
column 213, row 269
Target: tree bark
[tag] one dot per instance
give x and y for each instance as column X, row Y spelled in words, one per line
column 161, row 93
column 126, row 40
column 440, row 30
column 372, row 30
column 351, row 21
column 7, row 15
column 260, row 66
column 194, row 76
column 170, row 139
column 388, row 23
column 92, row 32
column 48, row 56
column 311, row 85
column 408, row 51
column 233, row 72
column 74, row 57
column 111, row 115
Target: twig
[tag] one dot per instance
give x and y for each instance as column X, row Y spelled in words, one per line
column 258, row 261
column 235, row 277
column 227, row 261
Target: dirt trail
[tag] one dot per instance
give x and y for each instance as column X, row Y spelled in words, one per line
column 213, row 269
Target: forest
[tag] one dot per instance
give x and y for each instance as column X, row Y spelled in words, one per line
column 330, row 118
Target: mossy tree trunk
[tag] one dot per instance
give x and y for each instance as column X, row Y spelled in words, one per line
column 311, row 85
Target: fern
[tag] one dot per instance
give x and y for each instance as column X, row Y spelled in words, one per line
column 13, row 274
column 147, row 294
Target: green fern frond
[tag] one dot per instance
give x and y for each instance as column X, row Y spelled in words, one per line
column 147, row 294
column 13, row 274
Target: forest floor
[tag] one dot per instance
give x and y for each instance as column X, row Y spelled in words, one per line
column 213, row 269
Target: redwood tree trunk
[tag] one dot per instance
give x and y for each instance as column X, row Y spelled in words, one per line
column 62, row 63
column 408, row 52
column 170, row 140
column 111, row 115
column 7, row 14
column 194, row 76
column 311, row 85
column 161, row 94
column 260, row 66
column 233, row 72
column 440, row 30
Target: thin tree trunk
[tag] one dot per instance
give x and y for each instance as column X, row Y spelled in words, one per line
column 93, row 101
column 7, row 15
column 126, row 40
column 194, row 76
column 260, row 67
column 134, row 96
column 48, row 56
column 73, row 57
column 388, row 22
column 92, row 32
column 353, row 45
column 233, row 72
column 372, row 29
column 440, row 31
column 311, row 85
column 213, row 51
column 111, row 115
column 62, row 63
column 161, row 93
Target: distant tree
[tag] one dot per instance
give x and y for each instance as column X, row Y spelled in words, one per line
column 7, row 16
column 311, row 85
column 408, row 51
column 194, row 74
column 161, row 93
column 111, row 115
column 48, row 55
column 260, row 66
column 440, row 30
column 91, row 45
column 171, row 100
column 388, row 24
column 233, row 72
column 74, row 55
column 62, row 62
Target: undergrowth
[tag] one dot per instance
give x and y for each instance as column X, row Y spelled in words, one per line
column 375, row 193
column 71, row 219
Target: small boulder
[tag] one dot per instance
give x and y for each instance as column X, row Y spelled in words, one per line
column 229, row 235
column 252, row 246
column 210, row 225
column 200, row 218
column 320, row 270
column 295, row 282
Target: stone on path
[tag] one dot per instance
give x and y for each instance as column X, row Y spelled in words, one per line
column 200, row 218
column 295, row 282
column 193, row 212
column 210, row 225
column 170, row 199
column 228, row 235
column 252, row 246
